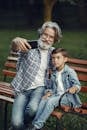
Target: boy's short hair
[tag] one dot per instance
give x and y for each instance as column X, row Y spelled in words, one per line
column 60, row 50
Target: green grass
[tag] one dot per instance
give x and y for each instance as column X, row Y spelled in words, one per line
column 75, row 42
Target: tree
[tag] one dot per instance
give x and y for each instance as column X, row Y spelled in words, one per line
column 48, row 7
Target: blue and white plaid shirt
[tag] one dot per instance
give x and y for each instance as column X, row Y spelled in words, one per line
column 27, row 68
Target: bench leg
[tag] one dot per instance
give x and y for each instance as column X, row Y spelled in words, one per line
column 5, row 115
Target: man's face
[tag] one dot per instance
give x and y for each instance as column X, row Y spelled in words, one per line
column 47, row 38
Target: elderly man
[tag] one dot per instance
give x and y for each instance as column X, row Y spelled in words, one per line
column 32, row 73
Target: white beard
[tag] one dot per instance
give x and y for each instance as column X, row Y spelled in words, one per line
column 43, row 45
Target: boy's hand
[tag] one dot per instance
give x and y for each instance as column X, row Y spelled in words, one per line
column 48, row 94
column 73, row 90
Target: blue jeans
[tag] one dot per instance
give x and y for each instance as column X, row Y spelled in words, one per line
column 25, row 105
column 45, row 108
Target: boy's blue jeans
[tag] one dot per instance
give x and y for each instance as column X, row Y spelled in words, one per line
column 45, row 108
column 25, row 106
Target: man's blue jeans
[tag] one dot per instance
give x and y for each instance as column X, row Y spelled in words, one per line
column 26, row 105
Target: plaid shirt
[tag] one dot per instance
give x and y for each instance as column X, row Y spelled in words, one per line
column 27, row 68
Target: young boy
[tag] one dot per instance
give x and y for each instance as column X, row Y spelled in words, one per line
column 62, row 79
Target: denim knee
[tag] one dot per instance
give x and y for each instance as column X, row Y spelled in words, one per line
column 31, row 109
column 17, row 124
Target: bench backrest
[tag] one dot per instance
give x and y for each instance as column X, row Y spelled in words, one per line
column 9, row 70
column 79, row 65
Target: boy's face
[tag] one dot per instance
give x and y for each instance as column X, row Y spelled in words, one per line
column 58, row 61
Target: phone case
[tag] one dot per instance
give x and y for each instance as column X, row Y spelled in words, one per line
column 33, row 43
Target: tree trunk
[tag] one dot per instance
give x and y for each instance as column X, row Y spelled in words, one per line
column 47, row 13
column 48, row 6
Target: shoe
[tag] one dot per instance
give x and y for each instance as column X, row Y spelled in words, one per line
column 34, row 128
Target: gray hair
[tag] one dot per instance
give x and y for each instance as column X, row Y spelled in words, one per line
column 53, row 25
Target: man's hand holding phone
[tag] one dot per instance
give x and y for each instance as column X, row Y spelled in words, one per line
column 20, row 44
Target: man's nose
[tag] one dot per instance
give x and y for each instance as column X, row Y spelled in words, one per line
column 48, row 38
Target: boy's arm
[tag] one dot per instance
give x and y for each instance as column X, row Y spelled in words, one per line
column 73, row 89
column 75, row 83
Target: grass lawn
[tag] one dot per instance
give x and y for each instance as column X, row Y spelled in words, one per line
column 75, row 42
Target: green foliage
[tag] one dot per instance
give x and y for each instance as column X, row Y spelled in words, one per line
column 75, row 43
column 68, row 121
column 74, row 122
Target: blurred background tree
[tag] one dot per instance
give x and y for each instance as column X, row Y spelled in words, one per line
column 32, row 13
column 81, row 4
column 48, row 7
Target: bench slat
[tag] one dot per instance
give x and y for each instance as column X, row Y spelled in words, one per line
column 82, row 77
column 77, row 61
column 4, row 84
column 9, row 73
column 79, row 69
column 5, row 98
column 10, row 65
column 12, row 58
column 84, row 89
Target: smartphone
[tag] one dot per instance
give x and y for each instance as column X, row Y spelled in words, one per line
column 33, row 43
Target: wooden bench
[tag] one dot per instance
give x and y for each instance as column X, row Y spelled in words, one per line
column 7, row 94
column 10, row 66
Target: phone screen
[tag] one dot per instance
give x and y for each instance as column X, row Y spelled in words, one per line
column 33, row 43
